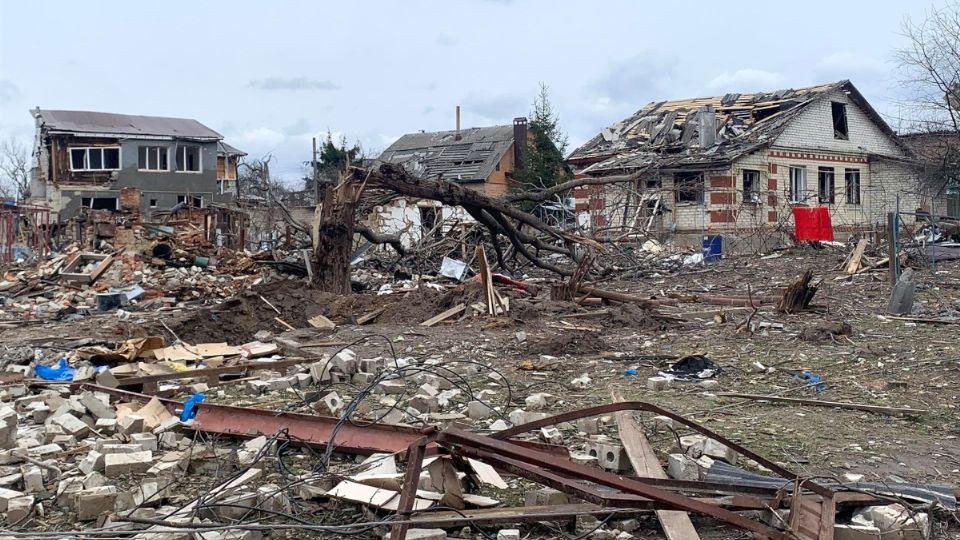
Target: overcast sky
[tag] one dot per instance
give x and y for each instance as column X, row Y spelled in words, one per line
column 270, row 75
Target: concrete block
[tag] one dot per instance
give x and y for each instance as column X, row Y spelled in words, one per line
column 424, row 403
column 611, row 457
column 97, row 406
column 18, row 509
column 545, row 497
column 552, row 435
column 92, row 503
column 692, row 445
column 540, row 400
column 392, row 387
column 93, row 461
column 371, row 365
column 7, row 495
column 658, row 384
column 590, row 426
column 345, row 361
column 72, row 425
column 681, row 467
column 508, row 534
column 363, row 379
column 332, row 404
column 115, row 465
column 479, row 410
column 719, row 451
column 257, row 387
column 8, row 427
column 106, row 425
column 147, row 494
column 584, row 459
column 131, row 424
column 32, row 479
column 147, row 441
column 320, row 371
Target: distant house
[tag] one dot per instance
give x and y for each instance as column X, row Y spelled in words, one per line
column 737, row 164
column 480, row 158
column 85, row 159
column 939, row 156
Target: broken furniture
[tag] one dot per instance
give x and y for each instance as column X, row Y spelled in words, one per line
column 77, row 269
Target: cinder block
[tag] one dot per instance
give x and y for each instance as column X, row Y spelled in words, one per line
column 658, row 384
column 545, row 497
column 611, row 457
column 96, row 406
column 92, row 503
column 719, row 451
column 479, row 410
column 115, row 465
column 681, row 467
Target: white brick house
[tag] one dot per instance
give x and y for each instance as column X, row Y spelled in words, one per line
column 735, row 165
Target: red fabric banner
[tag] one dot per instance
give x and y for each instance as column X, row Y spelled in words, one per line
column 813, row 223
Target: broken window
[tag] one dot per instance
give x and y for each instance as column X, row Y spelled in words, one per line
column 798, row 183
column 100, row 203
column 826, row 185
column 839, row 120
column 153, row 203
column 188, row 159
column 181, row 199
column 751, row 186
column 95, row 159
column 851, row 178
column 689, row 187
column 153, row 158
column 197, row 201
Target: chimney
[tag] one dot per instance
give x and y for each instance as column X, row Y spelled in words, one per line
column 457, row 136
column 708, row 126
column 519, row 140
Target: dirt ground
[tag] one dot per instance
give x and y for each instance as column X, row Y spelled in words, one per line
column 882, row 361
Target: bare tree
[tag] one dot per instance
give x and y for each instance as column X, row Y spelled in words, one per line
column 930, row 73
column 14, row 169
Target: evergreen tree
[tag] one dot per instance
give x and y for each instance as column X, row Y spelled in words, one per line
column 333, row 158
column 542, row 153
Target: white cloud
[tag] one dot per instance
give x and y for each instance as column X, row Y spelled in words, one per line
column 859, row 68
column 746, row 80
column 291, row 83
column 8, row 91
column 260, row 138
column 635, row 80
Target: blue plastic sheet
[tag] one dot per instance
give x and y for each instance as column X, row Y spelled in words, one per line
column 190, row 406
column 812, row 378
column 630, row 371
column 60, row 372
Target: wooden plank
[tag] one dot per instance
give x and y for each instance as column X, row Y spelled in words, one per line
column 854, row 263
column 527, row 514
column 676, row 524
column 818, row 403
column 370, row 316
column 455, row 310
column 319, row 321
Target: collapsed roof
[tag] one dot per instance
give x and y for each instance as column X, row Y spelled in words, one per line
column 467, row 159
column 91, row 123
column 676, row 134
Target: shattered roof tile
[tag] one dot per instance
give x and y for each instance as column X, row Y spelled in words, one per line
column 471, row 158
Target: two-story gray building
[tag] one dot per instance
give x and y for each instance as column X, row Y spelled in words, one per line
column 85, row 159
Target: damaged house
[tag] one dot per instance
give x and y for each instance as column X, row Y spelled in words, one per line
column 735, row 165
column 480, row 158
column 86, row 159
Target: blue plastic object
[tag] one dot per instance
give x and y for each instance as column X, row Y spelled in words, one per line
column 812, row 378
column 190, row 406
column 630, row 371
column 61, row 372
column 712, row 248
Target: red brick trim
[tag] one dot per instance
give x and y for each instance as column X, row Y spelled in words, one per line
column 721, row 197
column 816, row 157
column 772, row 183
column 771, row 200
column 771, row 216
column 721, row 181
column 772, row 168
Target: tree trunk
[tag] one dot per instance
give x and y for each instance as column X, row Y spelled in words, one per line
column 334, row 240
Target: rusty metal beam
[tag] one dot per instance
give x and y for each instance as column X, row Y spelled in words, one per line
column 464, row 440
column 649, row 407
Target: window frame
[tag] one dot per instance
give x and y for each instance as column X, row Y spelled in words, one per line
column 796, row 196
column 696, row 179
column 86, row 158
column 846, row 184
column 824, row 173
column 841, row 129
column 751, row 196
column 153, row 203
column 148, row 149
column 183, row 148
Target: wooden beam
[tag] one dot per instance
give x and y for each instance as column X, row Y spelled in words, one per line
column 455, row 310
column 676, row 524
column 854, row 263
column 818, row 403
